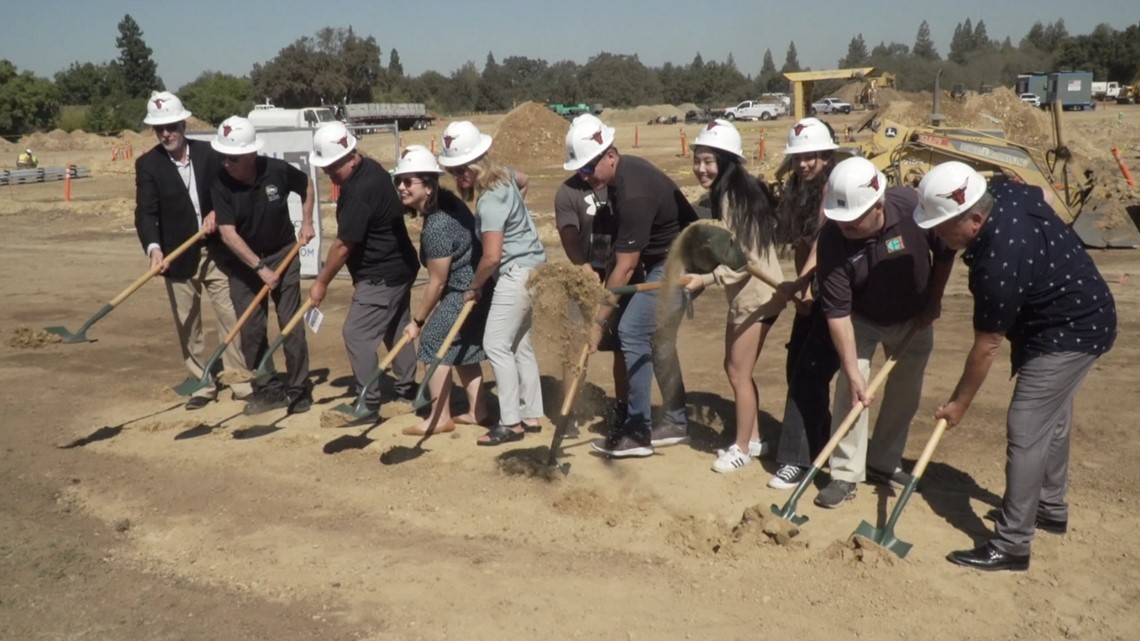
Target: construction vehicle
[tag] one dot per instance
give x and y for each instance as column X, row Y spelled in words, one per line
column 1130, row 93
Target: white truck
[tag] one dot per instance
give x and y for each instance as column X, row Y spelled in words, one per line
column 267, row 116
column 830, row 106
column 754, row 110
column 1105, row 90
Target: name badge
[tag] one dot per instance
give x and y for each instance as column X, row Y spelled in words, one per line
column 271, row 193
column 895, row 245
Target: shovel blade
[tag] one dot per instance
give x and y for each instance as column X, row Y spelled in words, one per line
column 884, row 538
column 357, row 412
column 423, row 396
column 788, row 512
column 66, row 335
column 191, row 385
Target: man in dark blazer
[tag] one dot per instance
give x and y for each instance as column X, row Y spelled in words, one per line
column 172, row 202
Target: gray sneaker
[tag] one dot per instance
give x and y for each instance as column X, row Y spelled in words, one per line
column 624, row 446
column 835, row 494
column 667, row 434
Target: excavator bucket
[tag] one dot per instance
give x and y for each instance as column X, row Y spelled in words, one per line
column 1104, row 224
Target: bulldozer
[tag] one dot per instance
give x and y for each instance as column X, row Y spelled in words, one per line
column 905, row 153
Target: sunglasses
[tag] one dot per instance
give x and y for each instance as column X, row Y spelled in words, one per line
column 589, row 168
column 408, row 181
column 455, row 171
column 172, row 127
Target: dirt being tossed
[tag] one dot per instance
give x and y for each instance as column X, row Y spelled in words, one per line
column 24, row 337
column 530, row 135
column 857, row 549
column 228, row 377
column 563, row 300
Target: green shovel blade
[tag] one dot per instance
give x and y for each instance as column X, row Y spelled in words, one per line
column 883, row 538
column 191, row 385
column 423, row 396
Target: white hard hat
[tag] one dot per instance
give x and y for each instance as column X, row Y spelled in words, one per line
column 416, row 159
column 331, row 142
column 946, row 191
column 236, row 136
column 462, row 143
column 720, row 134
column 164, row 108
column 587, row 139
column 28, row 150
column 808, row 135
column 853, row 187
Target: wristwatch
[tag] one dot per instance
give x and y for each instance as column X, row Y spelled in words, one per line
column 259, row 266
column 419, row 323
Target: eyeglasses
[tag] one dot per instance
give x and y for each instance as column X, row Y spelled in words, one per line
column 172, row 127
column 589, row 168
column 408, row 181
column 455, row 171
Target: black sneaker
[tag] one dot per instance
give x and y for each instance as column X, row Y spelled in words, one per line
column 624, row 445
column 300, row 402
column 266, row 401
column 897, row 479
column 787, row 477
column 835, row 494
column 667, row 434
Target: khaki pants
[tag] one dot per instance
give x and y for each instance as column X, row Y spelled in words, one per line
column 186, row 305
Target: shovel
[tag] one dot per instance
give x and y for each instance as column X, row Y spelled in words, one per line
column 567, row 404
column 263, row 370
column 789, row 510
column 707, row 245
column 359, row 410
column 190, row 385
column 423, row 396
column 81, row 335
column 885, row 537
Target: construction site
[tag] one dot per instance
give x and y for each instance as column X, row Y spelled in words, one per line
column 126, row 513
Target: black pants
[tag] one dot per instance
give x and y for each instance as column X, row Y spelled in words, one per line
column 812, row 363
column 244, row 286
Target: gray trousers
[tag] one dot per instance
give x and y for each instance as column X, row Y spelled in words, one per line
column 244, row 285
column 506, row 340
column 378, row 314
column 1037, row 452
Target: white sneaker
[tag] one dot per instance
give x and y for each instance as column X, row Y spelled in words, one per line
column 787, row 477
column 730, row 460
column 757, row 449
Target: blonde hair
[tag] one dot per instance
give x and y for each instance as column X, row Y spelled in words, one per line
column 488, row 175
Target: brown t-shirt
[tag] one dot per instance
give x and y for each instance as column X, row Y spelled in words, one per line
column 883, row 278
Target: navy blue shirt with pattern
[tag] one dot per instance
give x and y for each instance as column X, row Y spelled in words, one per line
column 1033, row 281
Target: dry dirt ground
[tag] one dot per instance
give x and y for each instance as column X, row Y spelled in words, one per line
column 125, row 517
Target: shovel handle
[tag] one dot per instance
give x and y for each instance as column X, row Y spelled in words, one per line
column 575, row 380
column 261, row 295
column 455, row 327
column 154, row 271
column 392, row 353
column 623, row 290
column 297, row 317
column 853, row 415
column 931, row 445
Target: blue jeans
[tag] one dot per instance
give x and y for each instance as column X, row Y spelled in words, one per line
column 650, row 352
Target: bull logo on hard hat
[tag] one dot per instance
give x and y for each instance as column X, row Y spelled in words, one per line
column 226, row 129
column 158, row 103
column 343, row 142
column 596, row 136
column 874, row 182
column 799, row 128
column 712, row 125
column 959, row 194
column 447, row 140
column 404, row 153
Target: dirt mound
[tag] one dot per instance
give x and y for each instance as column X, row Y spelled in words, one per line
column 563, row 301
column 859, row 550
column 24, row 337
column 1002, row 110
column 531, row 134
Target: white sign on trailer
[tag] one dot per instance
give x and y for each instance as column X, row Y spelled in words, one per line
column 292, row 146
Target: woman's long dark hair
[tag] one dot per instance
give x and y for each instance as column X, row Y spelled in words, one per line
column 737, row 196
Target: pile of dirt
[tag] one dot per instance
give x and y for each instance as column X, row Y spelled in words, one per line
column 642, row 114
column 857, row 549
column 531, row 134
column 24, row 337
column 1002, row 109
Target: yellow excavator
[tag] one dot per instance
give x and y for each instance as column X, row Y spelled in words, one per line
column 905, row 153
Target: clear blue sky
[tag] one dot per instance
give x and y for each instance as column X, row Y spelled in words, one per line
column 197, row 35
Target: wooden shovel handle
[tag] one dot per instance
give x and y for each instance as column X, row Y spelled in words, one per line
column 154, row 271
column 391, row 355
column 297, row 317
column 576, row 380
column 261, row 295
column 455, row 327
column 853, row 415
column 928, row 451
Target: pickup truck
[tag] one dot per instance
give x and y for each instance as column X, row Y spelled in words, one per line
column 830, row 106
column 753, row 110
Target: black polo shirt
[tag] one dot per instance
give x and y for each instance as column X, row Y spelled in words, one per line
column 370, row 217
column 260, row 212
column 1033, row 281
column 883, row 278
column 648, row 210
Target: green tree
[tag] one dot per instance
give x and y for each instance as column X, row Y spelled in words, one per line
column 83, row 84
column 214, row 96
column 962, row 43
column 856, row 53
column 332, row 66
column 139, row 70
column 27, row 102
column 893, row 50
column 492, row 87
column 395, row 69
column 618, row 80
column 982, row 38
column 463, row 94
column 769, row 78
column 924, row 45
column 791, row 59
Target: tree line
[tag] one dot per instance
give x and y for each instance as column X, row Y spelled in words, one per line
column 336, row 65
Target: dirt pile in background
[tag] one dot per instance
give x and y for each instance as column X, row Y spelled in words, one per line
column 531, row 134
column 1002, row 110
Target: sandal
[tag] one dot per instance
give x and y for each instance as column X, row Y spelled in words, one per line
column 500, row 434
column 532, row 429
